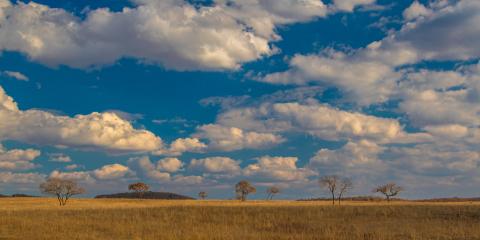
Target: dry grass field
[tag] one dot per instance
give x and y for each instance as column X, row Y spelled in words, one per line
column 41, row 218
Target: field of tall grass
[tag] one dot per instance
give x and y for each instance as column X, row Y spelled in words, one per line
column 41, row 218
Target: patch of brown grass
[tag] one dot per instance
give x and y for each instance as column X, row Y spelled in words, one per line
column 154, row 219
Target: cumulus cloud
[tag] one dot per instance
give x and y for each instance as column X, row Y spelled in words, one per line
column 317, row 119
column 175, row 34
column 82, row 176
column 451, row 131
column 188, row 180
column 362, row 81
column 432, row 107
column 264, row 15
column 434, row 159
column 104, row 131
column 105, row 173
column 277, row 169
column 17, row 75
column 21, row 178
column 232, row 138
column 169, row 164
column 162, row 171
column 113, row 171
column 349, row 5
column 458, row 26
column 182, row 145
column 416, row 10
column 145, row 167
column 371, row 74
column 352, row 155
column 18, row 159
column 216, row 165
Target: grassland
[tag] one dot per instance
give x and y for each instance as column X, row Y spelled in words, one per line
column 33, row 218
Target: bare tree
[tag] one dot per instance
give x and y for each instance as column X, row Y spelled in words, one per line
column 243, row 188
column 202, row 195
column 345, row 186
column 389, row 190
column 140, row 188
column 271, row 191
column 331, row 184
column 64, row 189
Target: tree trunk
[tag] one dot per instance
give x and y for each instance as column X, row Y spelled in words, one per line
column 333, row 198
column 59, row 199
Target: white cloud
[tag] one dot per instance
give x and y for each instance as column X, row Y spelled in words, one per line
column 182, row 145
column 232, row 138
column 317, row 119
column 416, row 10
column 349, row 5
column 175, row 34
column 216, row 165
column 458, row 24
column 18, row 159
column 188, row 180
column 371, row 74
column 162, row 171
column 105, row 173
column 169, row 164
column 113, row 171
column 277, row 168
column 431, row 80
column 264, row 15
column 352, row 155
column 145, row 166
column 434, row 159
column 448, row 131
column 59, row 157
column 17, row 75
column 361, row 80
column 82, row 176
column 21, row 178
column 432, row 107
column 104, row 131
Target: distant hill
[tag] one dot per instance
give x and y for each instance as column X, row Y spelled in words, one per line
column 453, row 199
column 15, row 195
column 21, row 195
column 354, row 198
column 379, row 199
column 147, row 195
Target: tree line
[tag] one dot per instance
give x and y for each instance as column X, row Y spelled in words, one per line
column 337, row 187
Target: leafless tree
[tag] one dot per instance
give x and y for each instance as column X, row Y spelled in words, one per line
column 331, row 183
column 271, row 191
column 140, row 188
column 64, row 189
column 389, row 190
column 202, row 195
column 344, row 186
column 243, row 188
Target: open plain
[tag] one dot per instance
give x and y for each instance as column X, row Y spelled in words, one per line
column 42, row 218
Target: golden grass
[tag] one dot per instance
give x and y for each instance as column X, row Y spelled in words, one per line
column 41, row 218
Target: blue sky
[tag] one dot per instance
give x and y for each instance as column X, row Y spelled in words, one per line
column 197, row 95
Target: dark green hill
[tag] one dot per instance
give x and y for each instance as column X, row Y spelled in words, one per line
column 147, row 195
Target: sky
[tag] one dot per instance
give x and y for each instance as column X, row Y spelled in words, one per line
column 191, row 96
